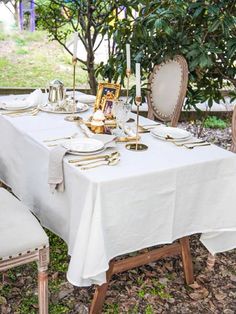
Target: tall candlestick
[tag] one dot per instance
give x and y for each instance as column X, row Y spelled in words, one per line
column 138, row 80
column 75, row 45
column 128, row 60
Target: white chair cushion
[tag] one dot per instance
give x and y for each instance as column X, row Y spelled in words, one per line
column 165, row 86
column 20, row 231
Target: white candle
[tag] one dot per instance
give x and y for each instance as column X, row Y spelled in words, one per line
column 138, row 79
column 75, row 45
column 128, row 61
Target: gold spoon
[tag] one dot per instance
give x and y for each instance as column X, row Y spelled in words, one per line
column 107, row 158
column 95, row 157
column 112, row 162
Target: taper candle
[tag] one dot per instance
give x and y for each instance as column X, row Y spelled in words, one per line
column 138, row 80
column 128, row 60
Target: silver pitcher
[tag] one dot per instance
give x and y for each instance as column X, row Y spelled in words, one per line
column 56, row 92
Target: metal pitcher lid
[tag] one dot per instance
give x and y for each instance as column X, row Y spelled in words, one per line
column 56, row 83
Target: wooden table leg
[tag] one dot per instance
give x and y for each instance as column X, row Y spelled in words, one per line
column 100, row 293
column 187, row 260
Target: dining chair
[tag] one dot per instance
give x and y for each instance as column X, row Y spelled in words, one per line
column 211, row 259
column 23, row 240
column 167, row 85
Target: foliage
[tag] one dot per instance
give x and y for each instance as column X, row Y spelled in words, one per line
column 90, row 18
column 202, row 31
column 213, row 122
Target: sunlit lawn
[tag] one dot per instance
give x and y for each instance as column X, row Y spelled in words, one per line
column 31, row 60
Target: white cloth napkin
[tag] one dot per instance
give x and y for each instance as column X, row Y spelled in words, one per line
column 55, row 169
column 34, row 99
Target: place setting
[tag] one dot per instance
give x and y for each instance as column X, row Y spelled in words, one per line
column 89, row 149
column 14, row 106
column 177, row 136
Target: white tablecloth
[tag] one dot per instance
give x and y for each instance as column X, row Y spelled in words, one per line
column 149, row 198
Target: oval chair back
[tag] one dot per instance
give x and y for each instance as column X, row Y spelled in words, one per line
column 167, row 87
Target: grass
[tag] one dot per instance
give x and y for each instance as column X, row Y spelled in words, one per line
column 31, row 60
column 213, row 122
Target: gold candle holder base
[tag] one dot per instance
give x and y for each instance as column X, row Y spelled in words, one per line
column 137, row 147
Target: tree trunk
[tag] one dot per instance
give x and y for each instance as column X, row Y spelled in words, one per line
column 90, row 47
column 16, row 12
column 91, row 73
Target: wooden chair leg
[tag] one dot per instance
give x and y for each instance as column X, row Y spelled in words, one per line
column 43, row 292
column 43, row 280
column 187, row 260
column 211, row 261
column 100, row 293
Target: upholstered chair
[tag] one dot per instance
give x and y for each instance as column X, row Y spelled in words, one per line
column 167, row 87
column 23, row 240
column 212, row 258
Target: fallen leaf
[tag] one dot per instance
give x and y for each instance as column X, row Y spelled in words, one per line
column 199, row 294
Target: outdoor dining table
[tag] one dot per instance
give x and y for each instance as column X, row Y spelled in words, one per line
column 149, row 198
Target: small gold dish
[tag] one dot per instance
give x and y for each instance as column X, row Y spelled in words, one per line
column 136, row 147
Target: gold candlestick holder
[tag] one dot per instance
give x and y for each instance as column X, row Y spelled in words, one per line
column 74, row 62
column 73, row 117
column 137, row 146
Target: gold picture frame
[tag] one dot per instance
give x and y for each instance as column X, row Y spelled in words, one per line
column 106, row 91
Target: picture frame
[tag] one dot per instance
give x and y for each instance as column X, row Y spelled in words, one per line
column 106, row 94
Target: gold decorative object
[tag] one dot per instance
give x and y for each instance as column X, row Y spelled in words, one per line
column 106, row 91
column 137, row 146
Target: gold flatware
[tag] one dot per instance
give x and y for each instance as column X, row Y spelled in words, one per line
column 186, row 143
column 196, row 145
column 112, row 162
column 91, row 162
column 61, row 138
column 15, row 113
column 117, row 154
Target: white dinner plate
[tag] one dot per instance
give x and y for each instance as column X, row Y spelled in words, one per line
column 164, row 133
column 49, row 108
column 14, row 104
column 87, row 154
column 84, row 145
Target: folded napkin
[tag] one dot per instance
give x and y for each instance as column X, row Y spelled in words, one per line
column 55, row 169
column 34, row 99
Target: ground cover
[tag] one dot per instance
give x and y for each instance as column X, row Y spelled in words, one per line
column 156, row 288
column 31, row 60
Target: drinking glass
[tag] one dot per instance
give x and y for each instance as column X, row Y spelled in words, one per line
column 121, row 111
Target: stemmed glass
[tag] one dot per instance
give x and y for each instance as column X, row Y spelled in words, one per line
column 121, row 110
